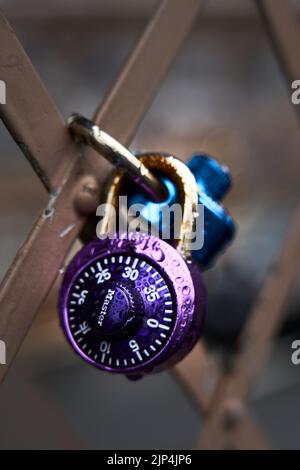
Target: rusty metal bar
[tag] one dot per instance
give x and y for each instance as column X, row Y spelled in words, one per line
column 30, row 115
column 237, row 432
column 264, row 321
column 38, row 261
column 35, row 268
column 268, row 312
column 132, row 93
column 34, row 120
column 280, row 21
column 135, row 88
column 198, row 374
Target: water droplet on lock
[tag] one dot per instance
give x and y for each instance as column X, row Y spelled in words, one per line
column 186, row 291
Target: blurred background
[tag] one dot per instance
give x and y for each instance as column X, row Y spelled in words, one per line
column 224, row 95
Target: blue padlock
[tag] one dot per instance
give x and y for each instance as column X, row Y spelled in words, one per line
column 213, row 181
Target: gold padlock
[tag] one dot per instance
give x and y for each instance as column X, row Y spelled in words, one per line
column 184, row 180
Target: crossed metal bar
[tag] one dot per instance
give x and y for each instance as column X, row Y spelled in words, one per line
column 73, row 180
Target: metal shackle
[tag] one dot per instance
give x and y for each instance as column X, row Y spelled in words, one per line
column 113, row 151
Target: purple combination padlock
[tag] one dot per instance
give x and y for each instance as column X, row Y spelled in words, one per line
column 132, row 303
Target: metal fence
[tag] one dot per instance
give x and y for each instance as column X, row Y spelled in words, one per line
column 36, row 125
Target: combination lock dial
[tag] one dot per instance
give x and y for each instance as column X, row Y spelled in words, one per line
column 132, row 305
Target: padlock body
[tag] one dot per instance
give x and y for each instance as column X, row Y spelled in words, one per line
column 214, row 181
column 131, row 304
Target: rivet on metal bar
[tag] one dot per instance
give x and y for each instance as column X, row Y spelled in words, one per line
column 116, row 154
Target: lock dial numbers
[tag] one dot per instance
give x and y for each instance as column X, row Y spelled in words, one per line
column 120, row 312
